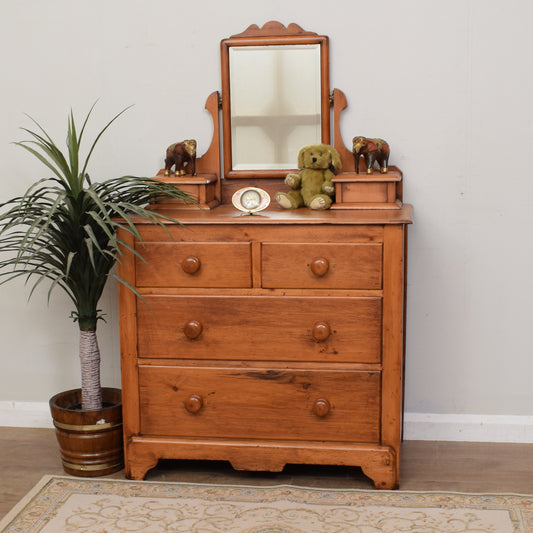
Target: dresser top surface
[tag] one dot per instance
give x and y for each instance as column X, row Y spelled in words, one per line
column 227, row 214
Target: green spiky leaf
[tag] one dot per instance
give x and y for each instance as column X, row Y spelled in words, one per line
column 62, row 230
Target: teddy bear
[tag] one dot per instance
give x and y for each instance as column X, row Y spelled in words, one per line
column 312, row 186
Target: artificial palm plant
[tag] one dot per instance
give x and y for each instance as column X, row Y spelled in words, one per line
column 63, row 231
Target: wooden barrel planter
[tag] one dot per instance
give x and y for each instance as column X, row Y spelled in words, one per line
column 90, row 442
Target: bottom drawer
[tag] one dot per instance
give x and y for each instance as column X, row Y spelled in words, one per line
column 321, row 405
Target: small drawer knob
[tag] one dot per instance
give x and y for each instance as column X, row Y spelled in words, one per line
column 191, row 264
column 321, row 331
column 194, row 403
column 192, row 329
column 321, row 407
column 319, row 266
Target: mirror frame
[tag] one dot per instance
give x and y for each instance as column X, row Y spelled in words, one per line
column 272, row 33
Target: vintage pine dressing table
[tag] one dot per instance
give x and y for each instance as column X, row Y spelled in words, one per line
column 276, row 337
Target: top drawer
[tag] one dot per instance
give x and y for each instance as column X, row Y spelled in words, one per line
column 182, row 264
column 322, row 266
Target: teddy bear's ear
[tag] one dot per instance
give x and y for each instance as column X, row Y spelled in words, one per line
column 301, row 155
column 335, row 158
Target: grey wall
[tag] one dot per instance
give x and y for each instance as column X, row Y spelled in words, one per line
column 448, row 84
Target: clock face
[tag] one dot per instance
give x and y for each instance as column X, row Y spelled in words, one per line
column 251, row 199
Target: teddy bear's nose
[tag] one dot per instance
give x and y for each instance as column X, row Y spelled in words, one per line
column 314, row 159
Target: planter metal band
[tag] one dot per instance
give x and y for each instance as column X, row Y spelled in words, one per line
column 91, row 427
column 102, row 466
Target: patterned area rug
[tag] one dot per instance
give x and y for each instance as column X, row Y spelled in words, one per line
column 65, row 504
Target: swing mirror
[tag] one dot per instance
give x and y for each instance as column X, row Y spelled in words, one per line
column 275, row 98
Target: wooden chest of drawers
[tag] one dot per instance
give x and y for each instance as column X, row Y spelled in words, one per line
column 266, row 340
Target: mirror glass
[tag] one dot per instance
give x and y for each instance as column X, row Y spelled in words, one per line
column 275, row 104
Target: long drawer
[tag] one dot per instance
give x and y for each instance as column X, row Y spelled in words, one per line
column 179, row 264
column 322, row 266
column 267, row 328
column 260, row 403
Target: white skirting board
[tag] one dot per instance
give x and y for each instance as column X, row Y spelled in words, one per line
column 417, row 426
column 469, row 428
column 25, row 414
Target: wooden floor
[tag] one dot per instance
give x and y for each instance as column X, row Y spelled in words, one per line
column 27, row 454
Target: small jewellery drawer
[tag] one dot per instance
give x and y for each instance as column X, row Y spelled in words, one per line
column 322, row 266
column 176, row 264
column 260, row 403
column 268, row 328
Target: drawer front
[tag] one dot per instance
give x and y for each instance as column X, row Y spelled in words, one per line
column 265, row 328
column 177, row 264
column 326, row 266
column 260, row 403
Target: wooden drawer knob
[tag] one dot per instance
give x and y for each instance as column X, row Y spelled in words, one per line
column 319, row 266
column 321, row 331
column 192, row 329
column 191, row 264
column 194, row 403
column 321, row 407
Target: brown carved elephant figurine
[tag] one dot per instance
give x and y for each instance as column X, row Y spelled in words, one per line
column 373, row 150
column 183, row 156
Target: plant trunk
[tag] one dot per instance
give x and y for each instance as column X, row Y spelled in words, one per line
column 91, row 391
